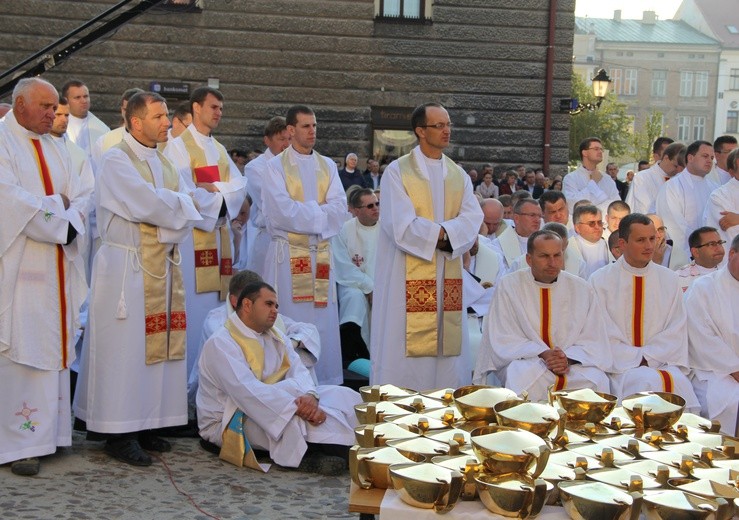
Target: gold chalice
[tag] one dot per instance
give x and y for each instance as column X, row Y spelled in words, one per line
column 677, row 505
column 537, row 418
column 654, row 410
column 597, row 501
column 427, row 485
column 376, row 435
column 511, row 495
column 422, row 446
column 476, row 402
column 369, row 466
column 510, row 451
column 586, row 405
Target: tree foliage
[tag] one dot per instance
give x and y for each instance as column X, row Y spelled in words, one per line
column 641, row 141
column 610, row 123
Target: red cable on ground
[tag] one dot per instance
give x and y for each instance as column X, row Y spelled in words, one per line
column 189, row 498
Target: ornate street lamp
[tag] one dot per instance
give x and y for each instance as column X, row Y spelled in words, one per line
column 601, row 81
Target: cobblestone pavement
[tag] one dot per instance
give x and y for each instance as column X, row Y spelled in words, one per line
column 82, row 482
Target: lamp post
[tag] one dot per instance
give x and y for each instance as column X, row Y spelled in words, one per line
column 601, row 81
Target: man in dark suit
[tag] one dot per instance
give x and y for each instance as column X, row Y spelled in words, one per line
column 621, row 186
column 531, row 186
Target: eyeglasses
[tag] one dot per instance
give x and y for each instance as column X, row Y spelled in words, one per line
column 712, row 244
column 532, row 215
column 593, row 224
column 370, row 206
column 438, row 126
column 662, row 229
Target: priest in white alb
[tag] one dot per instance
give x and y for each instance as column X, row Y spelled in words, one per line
column 722, row 210
column 645, row 317
column 132, row 375
column 545, row 328
column 587, row 182
column 254, row 393
column 713, row 336
column 429, row 217
column 642, row 195
column 42, row 278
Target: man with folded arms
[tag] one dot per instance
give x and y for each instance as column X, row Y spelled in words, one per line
column 645, row 317
column 713, row 339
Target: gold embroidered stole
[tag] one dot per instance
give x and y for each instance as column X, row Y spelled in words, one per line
column 306, row 287
column 210, row 274
column 420, row 275
column 235, row 447
column 165, row 328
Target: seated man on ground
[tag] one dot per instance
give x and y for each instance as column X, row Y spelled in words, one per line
column 255, row 393
column 707, row 252
column 589, row 238
column 559, row 340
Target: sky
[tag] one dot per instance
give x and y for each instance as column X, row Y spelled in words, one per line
column 665, row 9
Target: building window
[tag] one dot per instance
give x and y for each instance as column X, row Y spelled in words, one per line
column 734, row 79
column 630, row 76
column 699, row 127
column 683, row 128
column 616, row 78
column 404, row 11
column 686, row 83
column 659, row 83
column 732, row 122
column 701, row 84
column 391, row 137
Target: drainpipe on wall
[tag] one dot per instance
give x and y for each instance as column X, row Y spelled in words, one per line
column 549, row 87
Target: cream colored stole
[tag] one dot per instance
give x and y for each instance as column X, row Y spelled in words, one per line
column 210, row 274
column 165, row 331
column 420, row 275
column 305, row 286
column 235, row 447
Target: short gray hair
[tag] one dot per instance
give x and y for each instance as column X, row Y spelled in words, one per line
column 24, row 86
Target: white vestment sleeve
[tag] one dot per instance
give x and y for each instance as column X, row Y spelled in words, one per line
column 348, row 274
column 469, row 218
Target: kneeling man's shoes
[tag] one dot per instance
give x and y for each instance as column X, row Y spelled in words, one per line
column 129, row 451
column 26, row 467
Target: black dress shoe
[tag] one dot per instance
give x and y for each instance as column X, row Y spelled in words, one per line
column 128, row 450
column 210, row 447
column 151, row 442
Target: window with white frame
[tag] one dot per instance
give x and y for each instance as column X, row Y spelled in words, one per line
column 659, row 83
column 402, row 10
column 686, row 83
column 734, row 79
column 630, row 76
column 699, row 128
column 683, row 128
column 616, row 80
column 701, row 83
column 732, row 122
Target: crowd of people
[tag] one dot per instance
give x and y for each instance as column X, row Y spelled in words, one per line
column 143, row 267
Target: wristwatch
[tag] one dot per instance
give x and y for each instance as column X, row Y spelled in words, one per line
column 313, row 394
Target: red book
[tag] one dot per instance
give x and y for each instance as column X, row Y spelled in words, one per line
column 207, row 174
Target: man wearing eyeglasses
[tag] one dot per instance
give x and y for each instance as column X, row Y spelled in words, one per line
column 713, row 342
column 645, row 317
column 707, row 251
column 429, row 219
column 353, row 252
column 511, row 244
column 682, row 201
column 589, row 238
column 587, row 182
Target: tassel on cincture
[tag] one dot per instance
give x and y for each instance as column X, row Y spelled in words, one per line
column 122, row 311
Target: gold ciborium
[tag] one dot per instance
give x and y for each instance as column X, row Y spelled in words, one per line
column 511, row 495
column 597, row 501
column 540, row 419
column 653, row 410
column 506, row 450
column 427, row 485
column 585, row 405
column 375, row 412
column 424, row 446
column 674, row 504
column 374, row 393
column 368, row 467
column 376, row 435
column 476, row 402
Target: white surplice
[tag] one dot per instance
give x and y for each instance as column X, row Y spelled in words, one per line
column 690, row 273
column 665, row 337
column 713, row 345
column 227, row 383
column 282, row 215
column 85, row 131
column 595, row 254
column 578, row 185
column 232, row 193
column 117, row 391
column 642, row 195
column 510, row 245
column 353, row 253
column 512, row 337
column 403, row 233
column 34, row 380
column 257, row 236
column 724, row 198
column 681, row 203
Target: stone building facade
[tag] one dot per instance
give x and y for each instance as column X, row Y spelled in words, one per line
column 361, row 68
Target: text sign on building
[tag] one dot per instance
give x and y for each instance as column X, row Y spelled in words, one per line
column 170, row 89
column 392, row 117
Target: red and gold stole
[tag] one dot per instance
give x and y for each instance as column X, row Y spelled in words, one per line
column 421, row 295
column 306, row 287
column 546, row 329
column 165, row 331
column 210, row 274
column 43, row 169
column 637, row 327
column 235, row 447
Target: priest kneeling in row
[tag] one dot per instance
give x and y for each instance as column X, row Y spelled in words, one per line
column 255, row 393
column 560, row 340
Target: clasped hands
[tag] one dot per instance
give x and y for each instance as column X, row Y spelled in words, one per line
column 556, row 361
column 308, row 410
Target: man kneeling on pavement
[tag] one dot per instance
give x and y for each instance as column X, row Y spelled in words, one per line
column 256, row 394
